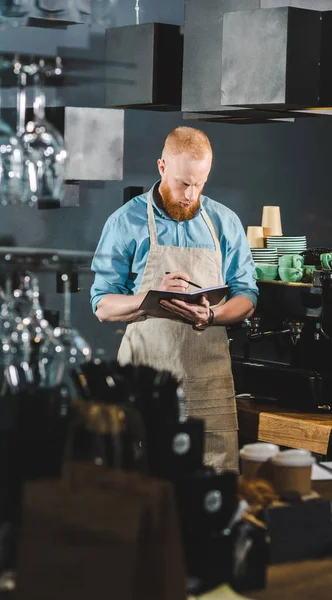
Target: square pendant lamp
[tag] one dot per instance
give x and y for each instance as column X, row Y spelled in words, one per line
column 94, row 138
column 144, row 66
column 257, row 55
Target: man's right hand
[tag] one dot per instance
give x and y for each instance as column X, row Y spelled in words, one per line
column 172, row 282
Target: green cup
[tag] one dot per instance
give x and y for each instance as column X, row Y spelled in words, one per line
column 308, row 273
column 291, row 261
column 326, row 260
column 266, row 272
column 290, row 274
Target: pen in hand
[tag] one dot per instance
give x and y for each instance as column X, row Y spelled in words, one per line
column 190, row 282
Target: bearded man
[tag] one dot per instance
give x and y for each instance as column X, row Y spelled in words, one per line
column 162, row 240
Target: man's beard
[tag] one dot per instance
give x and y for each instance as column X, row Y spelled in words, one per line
column 174, row 209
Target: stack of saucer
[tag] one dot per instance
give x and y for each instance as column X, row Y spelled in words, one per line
column 265, row 255
column 287, row 245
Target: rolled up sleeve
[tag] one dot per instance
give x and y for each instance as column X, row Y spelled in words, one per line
column 239, row 267
column 111, row 264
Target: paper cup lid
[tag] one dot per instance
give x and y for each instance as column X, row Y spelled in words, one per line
column 293, row 458
column 260, row 451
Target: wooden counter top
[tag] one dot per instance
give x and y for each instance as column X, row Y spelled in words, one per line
column 307, row 580
column 64, row 555
column 271, row 423
column 287, row 283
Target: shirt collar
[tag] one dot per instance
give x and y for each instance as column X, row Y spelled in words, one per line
column 160, row 211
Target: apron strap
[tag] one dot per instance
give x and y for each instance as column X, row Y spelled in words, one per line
column 152, row 222
column 214, row 237
column 212, row 230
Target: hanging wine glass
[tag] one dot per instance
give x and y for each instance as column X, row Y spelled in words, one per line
column 18, row 370
column 137, row 12
column 30, row 353
column 49, row 353
column 28, row 191
column 11, row 160
column 14, row 12
column 11, row 166
column 84, row 8
column 103, row 12
column 78, row 349
column 46, row 150
column 9, row 375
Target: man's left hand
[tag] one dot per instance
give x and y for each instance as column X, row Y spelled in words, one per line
column 196, row 313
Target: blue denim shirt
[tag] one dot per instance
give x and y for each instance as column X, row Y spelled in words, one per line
column 125, row 244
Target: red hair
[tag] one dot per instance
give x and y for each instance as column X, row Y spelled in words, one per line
column 187, row 139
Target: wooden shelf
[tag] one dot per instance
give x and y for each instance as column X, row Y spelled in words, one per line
column 286, row 283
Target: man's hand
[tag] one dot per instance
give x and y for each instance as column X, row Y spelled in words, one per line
column 175, row 282
column 196, row 313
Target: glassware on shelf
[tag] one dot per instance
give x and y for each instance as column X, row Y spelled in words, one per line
column 78, row 349
column 33, row 353
column 11, row 158
column 47, row 155
column 30, row 353
column 32, row 161
column 29, row 186
column 8, row 351
column 49, row 353
column 11, row 166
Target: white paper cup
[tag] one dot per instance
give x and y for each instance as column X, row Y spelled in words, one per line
column 255, row 460
column 291, row 471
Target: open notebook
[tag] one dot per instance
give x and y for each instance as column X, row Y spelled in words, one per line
column 213, row 294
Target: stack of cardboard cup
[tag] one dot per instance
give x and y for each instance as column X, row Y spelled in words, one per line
column 287, row 470
column 255, row 236
column 255, row 460
column 291, row 471
column 271, row 221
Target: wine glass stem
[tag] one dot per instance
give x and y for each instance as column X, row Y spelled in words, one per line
column 137, row 9
column 67, row 303
column 0, row 98
column 39, row 99
column 36, row 306
column 21, row 102
column 8, row 286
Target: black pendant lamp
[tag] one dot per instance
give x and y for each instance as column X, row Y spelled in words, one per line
column 262, row 55
column 144, row 66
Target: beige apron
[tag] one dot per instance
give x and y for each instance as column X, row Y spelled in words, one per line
column 199, row 359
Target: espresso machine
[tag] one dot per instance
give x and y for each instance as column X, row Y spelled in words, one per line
column 283, row 353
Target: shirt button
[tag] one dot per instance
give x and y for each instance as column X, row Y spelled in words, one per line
column 181, row 223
